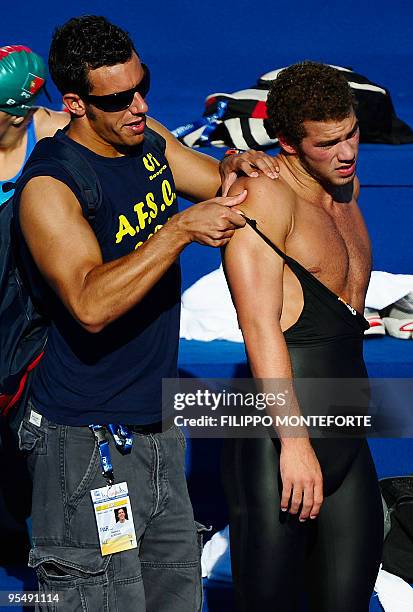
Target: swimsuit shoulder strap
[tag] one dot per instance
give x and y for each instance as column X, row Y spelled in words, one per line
column 252, row 223
column 297, row 268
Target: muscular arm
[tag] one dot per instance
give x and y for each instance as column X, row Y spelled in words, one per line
column 255, row 276
column 67, row 253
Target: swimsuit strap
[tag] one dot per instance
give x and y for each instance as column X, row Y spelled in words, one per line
column 31, row 140
column 30, row 144
column 300, row 271
column 252, row 223
column 289, row 260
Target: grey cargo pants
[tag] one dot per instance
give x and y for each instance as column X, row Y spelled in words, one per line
column 162, row 574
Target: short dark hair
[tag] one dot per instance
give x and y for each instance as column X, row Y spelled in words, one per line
column 85, row 43
column 117, row 513
column 307, row 91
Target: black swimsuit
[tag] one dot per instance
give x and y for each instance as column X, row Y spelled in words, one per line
column 334, row 560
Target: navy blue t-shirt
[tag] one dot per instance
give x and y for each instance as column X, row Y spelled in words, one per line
column 116, row 374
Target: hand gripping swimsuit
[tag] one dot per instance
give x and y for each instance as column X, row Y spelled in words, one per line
column 334, row 559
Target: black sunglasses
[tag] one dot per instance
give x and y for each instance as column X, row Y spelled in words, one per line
column 121, row 100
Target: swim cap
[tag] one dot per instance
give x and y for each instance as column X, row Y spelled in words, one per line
column 22, row 75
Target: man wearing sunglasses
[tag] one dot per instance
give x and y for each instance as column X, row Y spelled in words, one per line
column 114, row 332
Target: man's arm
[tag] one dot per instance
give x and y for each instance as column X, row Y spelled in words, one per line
column 255, row 276
column 47, row 122
column 198, row 176
column 68, row 255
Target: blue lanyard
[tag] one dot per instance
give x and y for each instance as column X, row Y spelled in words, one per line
column 209, row 122
column 123, row 440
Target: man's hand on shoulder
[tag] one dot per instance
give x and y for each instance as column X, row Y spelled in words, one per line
column 251, row 163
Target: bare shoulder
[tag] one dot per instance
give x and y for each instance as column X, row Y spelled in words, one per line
column 196, row 175
column 174, row 148
column 268, row 201
column 47, row 122
column 158, row 127
column 356, row 188
column 46, row 200
column 52, row 222
column 172, row 143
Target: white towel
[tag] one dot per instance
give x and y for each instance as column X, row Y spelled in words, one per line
column 395, row 595
column 216, row 558
column 208, row 313
column 385, row 289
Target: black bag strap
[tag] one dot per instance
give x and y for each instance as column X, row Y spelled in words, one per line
column 75, row 164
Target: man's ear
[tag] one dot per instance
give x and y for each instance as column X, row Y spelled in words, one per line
column 74, row 104
column 286, row 146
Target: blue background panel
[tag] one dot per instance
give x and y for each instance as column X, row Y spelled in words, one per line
column 196, row 48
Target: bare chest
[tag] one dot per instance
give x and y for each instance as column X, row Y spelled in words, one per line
column 334, row 246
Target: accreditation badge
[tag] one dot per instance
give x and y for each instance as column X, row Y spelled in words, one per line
column 114, row 518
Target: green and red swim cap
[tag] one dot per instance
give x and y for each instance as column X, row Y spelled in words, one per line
column 22, row 76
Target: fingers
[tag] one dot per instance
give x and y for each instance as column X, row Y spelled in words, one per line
column 232, row 200
column 253, row 168
column 227, row 181
column 236, row 218
column 308, row 497
column 296, row 499
column 318, row 499
column 219, row 239
column 286, row 494
column 251, row 163
column 312, row 500
column 308, row 501
column 213, row 222
column 267, row 165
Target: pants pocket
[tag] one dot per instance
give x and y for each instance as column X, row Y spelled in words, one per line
column 71, row 579
column 32, row 439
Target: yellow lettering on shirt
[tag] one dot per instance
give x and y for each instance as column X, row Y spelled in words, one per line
column 150, row 162
column 124, row 228
column 168, row 195
column 158, row 173
column 157, row 228
column 150, row 202
column 142, row 215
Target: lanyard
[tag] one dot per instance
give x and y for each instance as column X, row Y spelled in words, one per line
column 209, row 123
column 123, row 440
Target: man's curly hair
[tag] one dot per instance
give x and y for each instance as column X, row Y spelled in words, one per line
column 83, row 44
column 307, row 91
